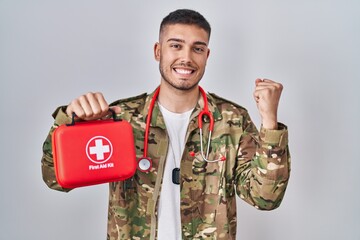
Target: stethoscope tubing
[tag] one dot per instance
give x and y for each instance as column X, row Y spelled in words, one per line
column 148, row 121
column 203, row 112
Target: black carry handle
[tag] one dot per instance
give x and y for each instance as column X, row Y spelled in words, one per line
column 73, row 115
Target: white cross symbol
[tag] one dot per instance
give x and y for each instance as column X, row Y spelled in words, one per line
column 99, row 149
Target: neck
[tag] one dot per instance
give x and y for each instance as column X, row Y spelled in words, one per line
column 178, row 101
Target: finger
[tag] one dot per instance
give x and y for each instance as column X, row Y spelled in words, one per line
column 116, row 109
column 269, row 86
column 263, row 83
column 75, row 107
column 267, row 93
column 86, row 107
column 265, row 80
column 94, row 105
column 265, row 87
column 104, row 106
column 257, row 96
column 258, row 81
column 271, row 83
column 69, row 109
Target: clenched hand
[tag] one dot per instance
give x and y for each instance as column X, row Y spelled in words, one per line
column 267, row 96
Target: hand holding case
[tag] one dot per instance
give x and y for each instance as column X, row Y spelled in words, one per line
column 93, row 152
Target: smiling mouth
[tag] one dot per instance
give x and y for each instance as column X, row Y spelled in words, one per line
column 183, row 71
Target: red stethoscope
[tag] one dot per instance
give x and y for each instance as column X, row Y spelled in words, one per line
column 145, row 163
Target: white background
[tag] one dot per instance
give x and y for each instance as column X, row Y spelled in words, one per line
column 53, row 51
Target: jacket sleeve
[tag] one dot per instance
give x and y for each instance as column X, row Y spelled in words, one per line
column 262, row 165
column 47, row 161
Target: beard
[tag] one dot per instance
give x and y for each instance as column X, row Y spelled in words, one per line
column 182, row 84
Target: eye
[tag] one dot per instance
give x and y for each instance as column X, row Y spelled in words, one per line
column 199, row 49
column 175, row 45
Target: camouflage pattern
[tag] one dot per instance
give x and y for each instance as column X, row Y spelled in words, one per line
column 257, row 169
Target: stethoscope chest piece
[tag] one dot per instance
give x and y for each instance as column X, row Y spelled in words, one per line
column 144, row 164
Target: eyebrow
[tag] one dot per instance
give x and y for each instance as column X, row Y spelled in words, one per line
column 183, row 41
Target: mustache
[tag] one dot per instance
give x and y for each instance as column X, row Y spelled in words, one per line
column 183, row 64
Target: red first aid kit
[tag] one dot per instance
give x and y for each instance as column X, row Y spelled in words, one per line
column 93, row 152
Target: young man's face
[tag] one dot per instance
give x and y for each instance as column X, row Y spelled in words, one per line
column 182, row 53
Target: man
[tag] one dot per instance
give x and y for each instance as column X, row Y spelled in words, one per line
column 202, row 204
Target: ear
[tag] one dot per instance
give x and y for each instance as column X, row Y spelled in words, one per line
column 208, row 53
column 157, row 51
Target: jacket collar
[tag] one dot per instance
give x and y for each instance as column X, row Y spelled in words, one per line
column 157, row 119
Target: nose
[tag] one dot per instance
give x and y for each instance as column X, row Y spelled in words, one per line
column 186, row 55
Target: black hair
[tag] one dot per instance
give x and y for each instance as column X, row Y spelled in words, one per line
column 186, row 16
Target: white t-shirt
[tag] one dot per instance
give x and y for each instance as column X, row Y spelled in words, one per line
column 169, row 222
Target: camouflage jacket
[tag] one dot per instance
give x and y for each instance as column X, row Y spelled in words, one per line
column 256, row 168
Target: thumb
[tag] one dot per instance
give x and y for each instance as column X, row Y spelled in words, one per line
column 116, row 109
column 257, row 81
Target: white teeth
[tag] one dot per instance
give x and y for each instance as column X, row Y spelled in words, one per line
column 183, row 71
